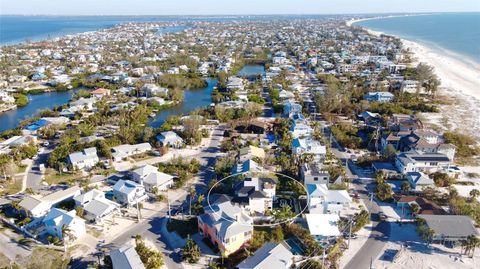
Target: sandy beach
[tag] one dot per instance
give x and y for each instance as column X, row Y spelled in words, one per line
column 460, row 85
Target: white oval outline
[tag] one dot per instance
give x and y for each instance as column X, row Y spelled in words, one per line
column 259, row 225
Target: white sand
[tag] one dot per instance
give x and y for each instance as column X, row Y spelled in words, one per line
column 460, row 81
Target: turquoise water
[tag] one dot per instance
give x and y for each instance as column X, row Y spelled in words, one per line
column 455, row 32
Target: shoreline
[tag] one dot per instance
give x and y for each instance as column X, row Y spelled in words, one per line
column 459, row 81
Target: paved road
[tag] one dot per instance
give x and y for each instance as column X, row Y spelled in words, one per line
column 379, row 236
column 150, row 228
column 34, row 176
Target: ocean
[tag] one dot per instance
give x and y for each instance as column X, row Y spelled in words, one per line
column 455, row 32
column 15, row 29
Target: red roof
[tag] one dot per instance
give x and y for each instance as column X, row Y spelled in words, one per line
column 101, row 91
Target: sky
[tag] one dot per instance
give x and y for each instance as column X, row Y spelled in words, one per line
column 224, row 7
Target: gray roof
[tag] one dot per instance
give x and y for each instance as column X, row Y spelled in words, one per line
column 99, row 207
column 270, row 255
column 450, row 225
column 126, row 258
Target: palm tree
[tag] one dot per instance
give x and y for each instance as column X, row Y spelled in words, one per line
column 192, row 195
column 66, row 236
column 472, row 242
column 405, row 186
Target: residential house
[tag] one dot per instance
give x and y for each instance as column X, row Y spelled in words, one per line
column 419, row 180
column 246, row 167
column 154, row 90
column 126, row 257
column 96, row 207
column 100, row 93
column 302, row 146
column 290, row 108
column 416, row 162
column 382, row 97
column 451, row 229
column 426, row 141
column 325, row 201
column 126, row 150
column 255, row 194
column 323, row 226
column 57, row 220
column 149, row 177
column 39, row 206
column 411, row 86
column 128, row 192
column 313, row 174
column 427, row 207
column 270, row 255
column 251, row 153
column 85, row 159
column 170, row 139
column 227, row 226
column 300, row 129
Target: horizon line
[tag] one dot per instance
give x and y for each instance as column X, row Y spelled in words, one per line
column 220, row 15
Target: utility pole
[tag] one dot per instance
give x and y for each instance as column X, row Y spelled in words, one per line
column 349, row 232
column 169, row 212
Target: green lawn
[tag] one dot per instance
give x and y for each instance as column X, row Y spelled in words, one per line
column 12, row 186
column 52, row 177
column 183, row 227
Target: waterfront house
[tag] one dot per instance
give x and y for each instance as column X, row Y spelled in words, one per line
column 419, row 180
column 85, row 159
column 128, row 193
column 270, row 255
column 416, row 162
column 426, row 141
column 57, row 220
column 154, row 90
column 452, row 229
column 126, row 257
column 39, row 206
column 100, row 93
column 124, row 151
column 411, row 86
column 170, row 139
column 313, row 174
column 227, row 226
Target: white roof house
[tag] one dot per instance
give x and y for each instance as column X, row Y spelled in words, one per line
column 321, row 198
column 301, row 129
column 85, row 159
column 39, row 206
column 150, row 178
column 57, row 219
column 95, row 205
column 270, row 255
column 126, row 257
column 129, row 192
column 170, row 139
column 323, row 226
column 126, row 150
column 302, row 146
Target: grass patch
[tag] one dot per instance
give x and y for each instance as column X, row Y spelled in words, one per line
column 11, row 186
column 94, row 232
column 183, row 227
column 52, row 177
column 45, row 258
column 21, row 169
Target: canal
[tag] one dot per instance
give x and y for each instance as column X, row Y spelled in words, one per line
column 37, row 102
column 193, row 99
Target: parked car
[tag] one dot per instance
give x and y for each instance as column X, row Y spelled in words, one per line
column 382, row 216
